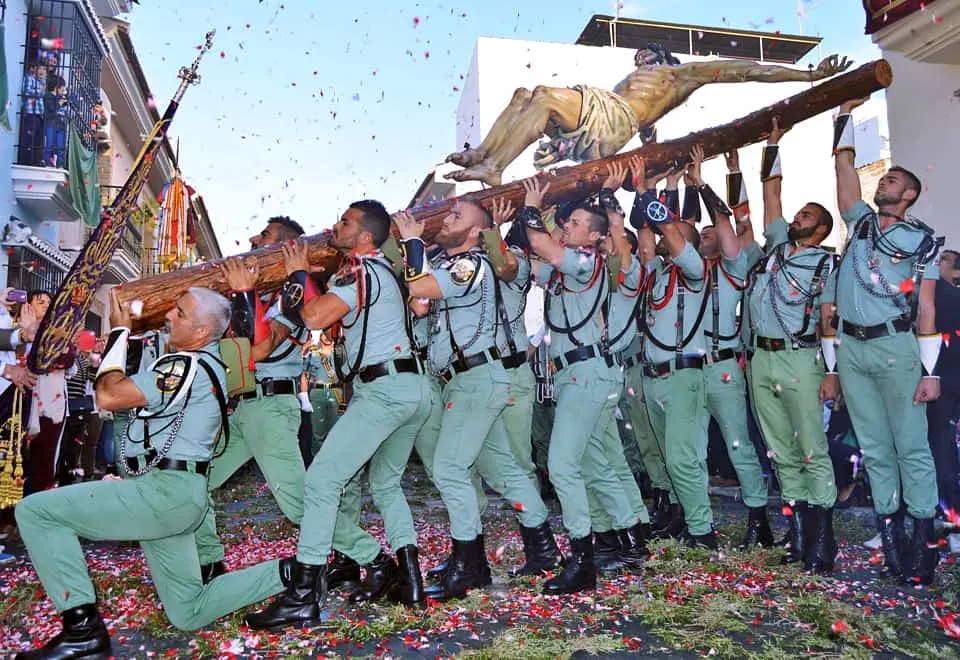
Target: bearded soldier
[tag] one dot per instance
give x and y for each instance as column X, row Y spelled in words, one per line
column 887, row 348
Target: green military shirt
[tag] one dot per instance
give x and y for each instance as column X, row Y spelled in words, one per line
column 726, row 295
column 622, row 304
column 871, row 284
column 753, row 253
column 376, row 322
column 574, row 294
column 514, row 298
column 177, row 385
column 284, row 362
column 783, row 292
column 466, row 315
column 664, row 325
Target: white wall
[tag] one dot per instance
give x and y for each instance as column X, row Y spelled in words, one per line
column 923, row 113
column 502, row 65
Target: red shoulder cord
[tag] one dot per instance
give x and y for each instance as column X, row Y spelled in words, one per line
column 733, row 281
column 598, row 265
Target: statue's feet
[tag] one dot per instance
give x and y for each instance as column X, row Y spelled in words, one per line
column 466, row 158
column 484, row 171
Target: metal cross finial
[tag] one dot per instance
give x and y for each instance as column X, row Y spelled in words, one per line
column 189, row 75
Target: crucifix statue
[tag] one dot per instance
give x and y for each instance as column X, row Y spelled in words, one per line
column 585, row 123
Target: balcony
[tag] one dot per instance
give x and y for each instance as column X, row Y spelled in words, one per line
column 127, row 262
column 60, row 90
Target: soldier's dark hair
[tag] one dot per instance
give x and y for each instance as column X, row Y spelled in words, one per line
column 375, row 219
column 826, row 218
column 913, row 182
column 632, row 240
column 290, row 228
column 598, row 219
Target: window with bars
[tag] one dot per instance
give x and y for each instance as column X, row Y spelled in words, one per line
column 30, row 271
column 61, row 83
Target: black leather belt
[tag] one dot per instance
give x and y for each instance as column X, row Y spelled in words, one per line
column 271, row 387
column 874, row 331
column 781, row 344
column 724, row 354
column 583, row 353
column 631, row 361
column 665, row 368
column 381, row 369
column 198, row 467
column 468, row 362
column 514, row 361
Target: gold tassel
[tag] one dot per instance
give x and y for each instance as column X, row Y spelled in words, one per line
column 11, row 456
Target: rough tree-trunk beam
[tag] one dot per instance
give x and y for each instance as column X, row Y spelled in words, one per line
column 160, row 293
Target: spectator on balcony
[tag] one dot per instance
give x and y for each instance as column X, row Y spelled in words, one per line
column 55, row 108
column 31, row 117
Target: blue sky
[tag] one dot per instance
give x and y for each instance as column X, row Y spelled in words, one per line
column 305, row 106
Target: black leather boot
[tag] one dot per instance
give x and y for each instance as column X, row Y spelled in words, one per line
column 301, row 603
column 675, row 524
column 435, row 574
column 464, row 571
column 209, row 571
column 894, row 538
column 579, row 572
column 822, row 550
column 796, row 545
column 606, row 551
column 486, row 579
column 540, row 550
column 84, row 635
column 343, row 572
column 660, row 511
column 381, row 575
column 924, row 553
column 705, row 541
column 633, row 547
column 407, row 589
column 758, row 529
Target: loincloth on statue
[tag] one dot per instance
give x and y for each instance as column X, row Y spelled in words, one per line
column 607, row 123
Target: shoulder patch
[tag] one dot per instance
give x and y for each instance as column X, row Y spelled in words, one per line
column 345, row 277
column 463, row 270
column 171, row 372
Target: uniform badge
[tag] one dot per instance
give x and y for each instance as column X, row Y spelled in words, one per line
column 462, row 271
column 657, row 212
column 345, row 277
column 170, row 375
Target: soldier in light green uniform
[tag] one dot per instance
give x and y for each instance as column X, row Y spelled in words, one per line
column 476, row 387
column 587, row 386
column 787, row 385
column 724, row 381
column 390, row 402
column 143, row 352
column 622, row 307
column 887, row 351
column 164, row 497
column 673, row 385
column 266, row 423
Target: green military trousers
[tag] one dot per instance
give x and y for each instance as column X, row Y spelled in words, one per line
column 380, row 424
column 473, row 437
column 650, row 451
column 785, row 392
column 726, row 391
column 518, row 420
column 542, row 427
column 599, row 502
column 324, row 416
column 631, row 450
column 879, row 378
column 676, row 405
column 161, row 510
column 265, row 429
column 587, row 394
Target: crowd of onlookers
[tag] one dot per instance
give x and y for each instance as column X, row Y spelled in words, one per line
column 65, row 438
